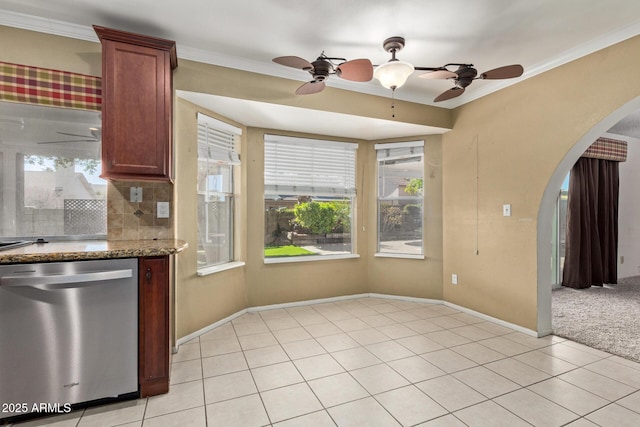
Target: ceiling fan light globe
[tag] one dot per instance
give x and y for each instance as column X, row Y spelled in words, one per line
column 393, row 74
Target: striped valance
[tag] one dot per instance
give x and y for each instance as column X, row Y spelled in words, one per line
column 41, row 86
column 607, row 149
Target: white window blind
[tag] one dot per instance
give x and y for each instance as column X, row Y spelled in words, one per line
column 399, row 150
column 218, row 141
column 309, row 167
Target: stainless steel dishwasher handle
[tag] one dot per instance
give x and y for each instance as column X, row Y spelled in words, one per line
column 65, row 279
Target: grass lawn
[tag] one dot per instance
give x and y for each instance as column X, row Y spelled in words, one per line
column 280, row 251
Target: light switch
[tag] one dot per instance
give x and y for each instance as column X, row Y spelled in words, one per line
column 135, row 194
column 163, row 210
column 506, row 210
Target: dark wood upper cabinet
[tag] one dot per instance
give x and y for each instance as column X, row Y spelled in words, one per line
column 136, row 105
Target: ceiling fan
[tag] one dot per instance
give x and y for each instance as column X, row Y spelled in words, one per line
column 357, row 70
column 94, row 137
column 462, row 77
column 466, row 74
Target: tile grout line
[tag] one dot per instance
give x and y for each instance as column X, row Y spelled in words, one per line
column 264, row 407
column 204, row 394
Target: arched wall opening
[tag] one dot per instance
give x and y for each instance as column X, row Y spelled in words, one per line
column 547, row 208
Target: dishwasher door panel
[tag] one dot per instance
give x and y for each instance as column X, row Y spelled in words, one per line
column 68, row 341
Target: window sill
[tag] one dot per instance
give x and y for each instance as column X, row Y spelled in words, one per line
column 218, row 268
column 405, row 256
column 283, row 260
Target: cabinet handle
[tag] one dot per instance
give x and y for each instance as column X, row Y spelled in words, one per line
column 148, row 275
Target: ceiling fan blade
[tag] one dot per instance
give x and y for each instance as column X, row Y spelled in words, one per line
column 439, row 74
column 357, row 70
column 506, row 72
column 310, row 88
column 60, row 142
column 449, row 94
column 293, row 61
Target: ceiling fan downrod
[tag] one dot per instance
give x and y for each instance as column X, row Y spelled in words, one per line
column 393, row 45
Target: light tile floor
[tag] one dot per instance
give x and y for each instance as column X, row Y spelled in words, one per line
column 380, row 362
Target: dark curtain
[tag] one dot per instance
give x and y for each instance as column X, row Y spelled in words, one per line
column 592, row 224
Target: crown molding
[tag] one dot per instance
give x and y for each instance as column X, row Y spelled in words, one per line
column 48, row 26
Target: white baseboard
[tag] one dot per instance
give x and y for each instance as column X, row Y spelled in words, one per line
column 256, row 309
column 206, row 329
column 464, row 310
column 403, row 298
column 494, row 320
column 303, row 303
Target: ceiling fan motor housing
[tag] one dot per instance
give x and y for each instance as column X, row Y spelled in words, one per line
column 321, row 69
column 466, row 75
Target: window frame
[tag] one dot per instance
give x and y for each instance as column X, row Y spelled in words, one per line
column 221, row 142
column 402, row 150
column 343, row 189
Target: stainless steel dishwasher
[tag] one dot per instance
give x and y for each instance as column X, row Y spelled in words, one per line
column 68, row 334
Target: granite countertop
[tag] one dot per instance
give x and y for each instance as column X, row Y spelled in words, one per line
column 91, row 249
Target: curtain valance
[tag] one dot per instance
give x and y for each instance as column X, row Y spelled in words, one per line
column 53, row 88
column 607, row 149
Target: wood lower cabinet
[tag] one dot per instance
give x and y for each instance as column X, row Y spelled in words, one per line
column 153, row 340
column 137, row 102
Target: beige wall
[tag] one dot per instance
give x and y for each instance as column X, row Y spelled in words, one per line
column 200, row 300
column 513, row 141
column 47, row 51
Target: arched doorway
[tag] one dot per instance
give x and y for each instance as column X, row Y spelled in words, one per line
column 547, row 207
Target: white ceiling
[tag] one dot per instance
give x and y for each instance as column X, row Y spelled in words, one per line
column 247, row 34
column 629, row 126
column 294, row 119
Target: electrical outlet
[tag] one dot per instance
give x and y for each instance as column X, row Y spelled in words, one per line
column 135, row 194
column 162, row 210
column 506, row 210
column 454, row 279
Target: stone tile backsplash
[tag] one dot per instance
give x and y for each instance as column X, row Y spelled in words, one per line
column 128, row 220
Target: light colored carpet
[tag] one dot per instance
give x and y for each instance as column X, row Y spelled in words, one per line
column 606, row 318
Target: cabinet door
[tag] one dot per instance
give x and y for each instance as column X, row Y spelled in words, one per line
column 136, row 112
column 153, row 341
